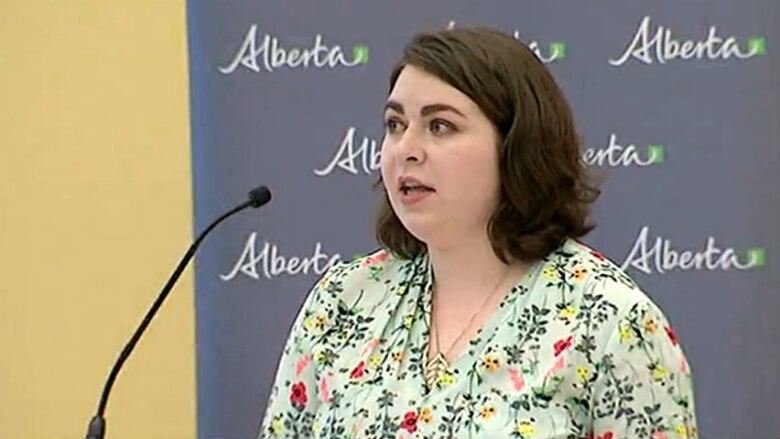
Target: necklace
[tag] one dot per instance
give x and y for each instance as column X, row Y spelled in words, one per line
column 438, row 364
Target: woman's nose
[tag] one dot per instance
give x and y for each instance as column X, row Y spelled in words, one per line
column 410, row 148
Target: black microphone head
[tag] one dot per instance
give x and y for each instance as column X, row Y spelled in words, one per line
column 259, row 196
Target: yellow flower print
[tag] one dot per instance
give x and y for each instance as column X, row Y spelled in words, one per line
column 315, row 322
column 398, row 356
column 426, row 415
column 487, row 412
column 626, row 334
column 324, row 284
column 659, row 372
column 681, row 430
column 491, row 363
column 408, row 320
column 320, row 357
column 650, row 325
column 277, row 426
column 550, row 273
column 374, row 361
column 526, row 428
column 568, row 312
column 584, row 373
column 446, row 379
column 580, row 274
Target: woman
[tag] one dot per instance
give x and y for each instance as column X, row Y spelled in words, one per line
column 481, row 316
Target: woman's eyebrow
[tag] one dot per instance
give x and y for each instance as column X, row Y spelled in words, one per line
column 426, row 110
column 435, row 108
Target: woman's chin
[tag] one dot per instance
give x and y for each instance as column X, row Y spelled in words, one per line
column 423, row 229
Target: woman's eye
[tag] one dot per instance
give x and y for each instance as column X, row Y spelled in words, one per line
column 392, row 125
column 439, row 126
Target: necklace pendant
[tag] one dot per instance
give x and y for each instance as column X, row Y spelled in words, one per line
column 436, row 367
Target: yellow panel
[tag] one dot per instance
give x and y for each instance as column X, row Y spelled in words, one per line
column 95, row 211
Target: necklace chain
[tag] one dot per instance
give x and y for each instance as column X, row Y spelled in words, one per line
column 438, row 364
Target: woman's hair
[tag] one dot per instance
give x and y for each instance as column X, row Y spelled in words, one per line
column 546, row 190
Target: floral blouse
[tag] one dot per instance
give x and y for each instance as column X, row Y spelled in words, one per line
column 574, row 350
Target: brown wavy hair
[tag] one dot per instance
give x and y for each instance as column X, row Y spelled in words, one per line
column 546, row 191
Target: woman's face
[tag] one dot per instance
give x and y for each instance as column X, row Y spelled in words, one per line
column 439, row 159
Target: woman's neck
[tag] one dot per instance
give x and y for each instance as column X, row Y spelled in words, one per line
column 466, row 270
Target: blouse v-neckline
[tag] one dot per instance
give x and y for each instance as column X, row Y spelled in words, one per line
column 468, row 357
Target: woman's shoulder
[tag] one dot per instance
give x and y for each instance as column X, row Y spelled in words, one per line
column 595, row 284
column 589, row 295
column 352, row 296
column 364, row 280
column 378, row 261
column 583, row 269
column 378, row 267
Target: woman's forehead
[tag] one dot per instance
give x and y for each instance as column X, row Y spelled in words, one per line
column 415, row 89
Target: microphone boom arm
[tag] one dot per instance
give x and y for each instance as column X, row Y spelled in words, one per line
column 97, row 425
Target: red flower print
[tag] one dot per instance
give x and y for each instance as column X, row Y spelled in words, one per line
column 607, row 435
column 358, row 371
column 410, row 422
column 372, row 344
column 324, row 390
column 660, row 435
column 301, row 364
column 379, row 257
column 684, row 367
column 517, row 379
column 562, row 345
column 556, row 367
column 598, row 255
column 298, row 396
column 671, row 334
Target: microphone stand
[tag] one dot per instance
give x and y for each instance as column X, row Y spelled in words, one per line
column 97, row 426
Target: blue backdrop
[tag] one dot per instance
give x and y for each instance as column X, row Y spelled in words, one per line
column 676, row 101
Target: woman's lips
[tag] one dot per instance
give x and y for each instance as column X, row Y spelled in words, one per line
column 415, row 196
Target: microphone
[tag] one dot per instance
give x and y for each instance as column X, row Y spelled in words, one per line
column 97, row 426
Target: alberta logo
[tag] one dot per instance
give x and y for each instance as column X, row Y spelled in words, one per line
column 264, row 52
column 547, row 53
column 661, row 45
column 268, row 262
column 659, row 255
column 354, row 154
column 617, row 155
column 359, row 154
column 552, row 52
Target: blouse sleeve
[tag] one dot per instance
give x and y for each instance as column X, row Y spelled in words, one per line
column 294, row 396
column 644, row 387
